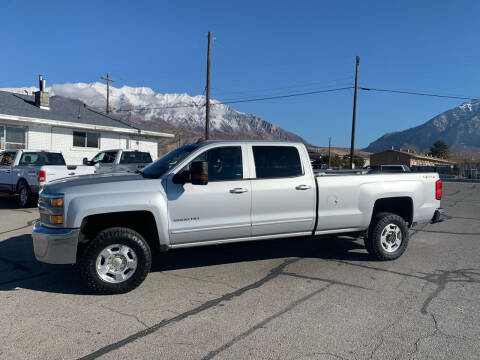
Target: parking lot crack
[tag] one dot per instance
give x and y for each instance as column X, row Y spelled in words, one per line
column 201, row 280
column 262, row 323
column 125, row 314
column 29, row 224
column 424, row 337
column 382, row 338
column 273, row 273
column 329, row 281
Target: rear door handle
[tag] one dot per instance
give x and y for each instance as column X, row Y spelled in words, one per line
column 238, row 190
column 303, row 187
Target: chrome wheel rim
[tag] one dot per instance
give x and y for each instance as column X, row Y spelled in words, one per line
column 116, row 263
column 391, row 238
column 23, row 195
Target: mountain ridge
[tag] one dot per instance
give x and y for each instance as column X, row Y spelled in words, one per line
column 459, row 127
column 179, row 113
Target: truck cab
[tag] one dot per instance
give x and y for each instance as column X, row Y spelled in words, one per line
column 111, row 161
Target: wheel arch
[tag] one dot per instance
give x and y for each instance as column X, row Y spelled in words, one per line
column 400, row 205
column 141, row 221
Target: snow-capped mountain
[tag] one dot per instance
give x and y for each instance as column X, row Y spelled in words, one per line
column 181, row 111
column 458, row 127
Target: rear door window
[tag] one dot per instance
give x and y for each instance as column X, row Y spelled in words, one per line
column 135, row 157
column 41, row 159
column 277, row 162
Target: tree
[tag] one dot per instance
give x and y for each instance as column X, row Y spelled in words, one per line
column 439, row 149
column 359, row 162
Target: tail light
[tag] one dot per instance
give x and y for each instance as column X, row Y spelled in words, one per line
column 438, row 190
column 42, row 176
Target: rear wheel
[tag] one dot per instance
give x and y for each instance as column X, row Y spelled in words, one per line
column 116, row 261
column 25, row 196
column 387, row 237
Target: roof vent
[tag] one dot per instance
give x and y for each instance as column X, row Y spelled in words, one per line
column 42, row 97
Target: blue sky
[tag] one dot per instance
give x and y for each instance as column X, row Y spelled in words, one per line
column 260, row 48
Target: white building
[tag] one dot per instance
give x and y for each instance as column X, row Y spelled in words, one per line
column 44, row 123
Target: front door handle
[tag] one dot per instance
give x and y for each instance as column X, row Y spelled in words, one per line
column 303, row 187
column 238, row 190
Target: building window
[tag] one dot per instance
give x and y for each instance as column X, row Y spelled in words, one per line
column 86, row 139
column 12, row 137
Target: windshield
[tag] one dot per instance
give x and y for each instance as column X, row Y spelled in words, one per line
column 41, row 159
column 106, row 157
column 165, row 163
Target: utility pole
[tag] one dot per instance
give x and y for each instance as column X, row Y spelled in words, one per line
column 108, row 79
column 329, row 152
column 352, row 146
column 207, row 104
column 179, row 140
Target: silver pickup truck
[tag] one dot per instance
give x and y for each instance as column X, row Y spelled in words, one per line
column 217, row 192
column 118, row 160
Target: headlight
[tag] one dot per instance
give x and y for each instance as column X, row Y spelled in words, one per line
column 56, row 219
column 51, row 209
column 56, row 202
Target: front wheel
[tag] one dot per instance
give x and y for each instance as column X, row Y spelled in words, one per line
column 116, row 261
column 387, row 237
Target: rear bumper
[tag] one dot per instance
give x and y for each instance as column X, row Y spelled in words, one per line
column 437, row 215
column 55, row 246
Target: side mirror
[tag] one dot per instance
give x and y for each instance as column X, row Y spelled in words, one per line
column 181, row 177
column 85, row 161
column 199, row 173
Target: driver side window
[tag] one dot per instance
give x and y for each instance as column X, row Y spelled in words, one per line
column 224, row 163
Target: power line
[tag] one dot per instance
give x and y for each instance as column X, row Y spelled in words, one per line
column 162, row 107
column 418, row 93
column 234, row 101
column 283, row 96
column 292, row 87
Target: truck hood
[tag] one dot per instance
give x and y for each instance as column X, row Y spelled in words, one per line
column 100, row 183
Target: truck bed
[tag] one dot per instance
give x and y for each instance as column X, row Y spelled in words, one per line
column 346, row 200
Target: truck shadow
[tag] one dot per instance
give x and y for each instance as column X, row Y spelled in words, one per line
column 10, row 202
column 20, row 270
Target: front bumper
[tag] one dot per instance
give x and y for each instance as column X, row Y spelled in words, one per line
column 437, row 215
column 55, row 246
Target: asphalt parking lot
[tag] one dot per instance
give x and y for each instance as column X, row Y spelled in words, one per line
column 321, row 298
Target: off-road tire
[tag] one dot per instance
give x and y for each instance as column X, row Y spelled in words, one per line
column 116, row 235
column 27, row 199
column 373, row 239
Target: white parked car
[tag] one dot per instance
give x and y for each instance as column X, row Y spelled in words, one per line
column 25, row 172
